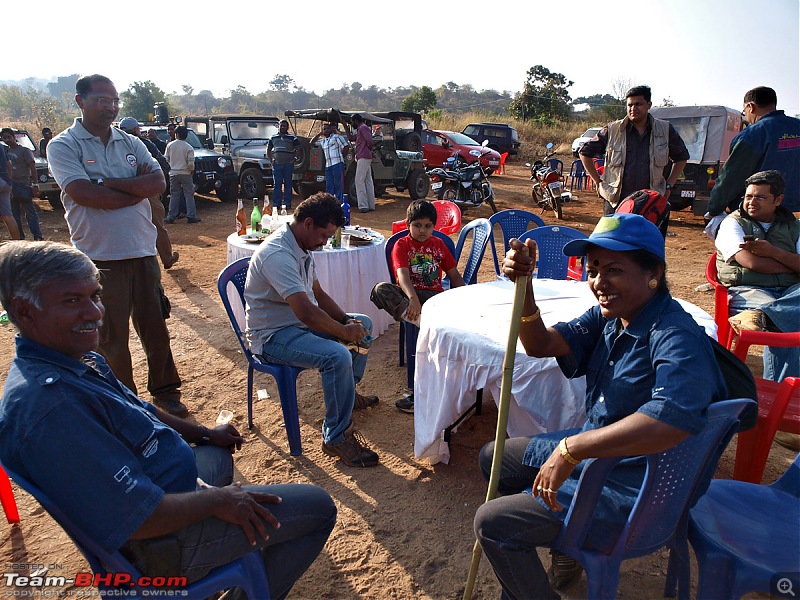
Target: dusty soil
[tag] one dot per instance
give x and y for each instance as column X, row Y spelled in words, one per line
column 405, row 527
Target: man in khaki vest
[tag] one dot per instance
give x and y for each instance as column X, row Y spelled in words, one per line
column 637, row 150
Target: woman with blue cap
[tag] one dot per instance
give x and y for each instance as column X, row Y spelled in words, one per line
column 650, row 375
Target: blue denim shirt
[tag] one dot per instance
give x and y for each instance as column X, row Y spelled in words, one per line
column 88, row 442
column 662, row 365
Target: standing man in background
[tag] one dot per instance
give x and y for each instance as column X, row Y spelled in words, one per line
column 107, row 177
column 180, row 155
column 281, row 152
column 637, row 149
column 365, row 190
column 5, row 195
column 771, row 142
column 23, row 184
column 47, row 135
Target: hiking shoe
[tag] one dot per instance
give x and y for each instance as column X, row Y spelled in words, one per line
column 389, row 297
column 750, row 320
column 564, row 571
column 406, row 404
column 193, row 220
column 363, row 402
column 353, row 450
column 173, row 407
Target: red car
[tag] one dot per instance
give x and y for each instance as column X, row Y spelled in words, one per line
column 438, row 146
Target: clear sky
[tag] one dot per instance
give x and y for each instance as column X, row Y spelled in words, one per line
column 692, row 51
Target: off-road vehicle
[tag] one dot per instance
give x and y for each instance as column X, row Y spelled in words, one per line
column 244, row 138
column 48, row 188
column 502, row 137
column 400, row 169
column 212, row 170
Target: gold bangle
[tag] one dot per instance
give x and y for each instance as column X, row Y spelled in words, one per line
column 531, row 318
column 565, row 452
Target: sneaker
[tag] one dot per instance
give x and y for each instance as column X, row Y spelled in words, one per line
column 363, row 402
column 169, row 220
column 750, row 320
column 173, row 407
column 193, row 220
column 352, row 451
column 564, row 571
column 406, row 404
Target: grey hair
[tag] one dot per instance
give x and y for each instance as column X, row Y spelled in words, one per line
column 26, row 267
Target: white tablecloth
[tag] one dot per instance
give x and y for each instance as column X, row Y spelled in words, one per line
column 346, row 274
column 461, row 346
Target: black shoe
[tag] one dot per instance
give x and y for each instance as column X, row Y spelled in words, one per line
column 564, row 571
column 181, row 215
column 406, row 404
column 363, row 402
column 169, row 220
column 353, row 450
column 173, row 407
column 193, row 220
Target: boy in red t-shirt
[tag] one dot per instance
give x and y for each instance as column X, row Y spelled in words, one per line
column 418, row 261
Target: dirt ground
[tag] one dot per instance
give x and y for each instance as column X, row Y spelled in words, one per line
column 405, row 527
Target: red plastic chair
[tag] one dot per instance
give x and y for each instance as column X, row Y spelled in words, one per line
column 7, row 498
column 448, row 218
column 721, row 313
column 501, row 169
column 778, row 408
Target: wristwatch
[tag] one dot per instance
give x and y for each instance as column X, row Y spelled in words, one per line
column 98, row 181
column 669, row 186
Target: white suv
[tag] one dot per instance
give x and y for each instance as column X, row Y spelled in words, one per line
column 579, row 142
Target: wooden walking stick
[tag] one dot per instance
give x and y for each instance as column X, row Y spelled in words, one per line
column 502, row 416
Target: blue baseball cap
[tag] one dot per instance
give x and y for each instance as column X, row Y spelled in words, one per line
column 623, row 232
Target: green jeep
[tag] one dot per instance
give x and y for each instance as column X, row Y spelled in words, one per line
column 400, row 169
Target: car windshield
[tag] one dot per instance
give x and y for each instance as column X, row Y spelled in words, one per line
column 590, row 133
column 461, row 139
column 193, row 140
column 24, row 140
column 252, row 130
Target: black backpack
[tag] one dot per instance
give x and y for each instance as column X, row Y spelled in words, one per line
column 739, row 381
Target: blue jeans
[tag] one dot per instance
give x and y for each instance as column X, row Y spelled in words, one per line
column 22, row 201
column 181, row 187
column 282, row 174
column 334, row 183
column 307, row 516
column 340, row 368
column 782, row 306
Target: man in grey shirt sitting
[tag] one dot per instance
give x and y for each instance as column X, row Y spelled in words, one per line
column 292, row 321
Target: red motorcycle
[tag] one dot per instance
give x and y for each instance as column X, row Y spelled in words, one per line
column 548, row 187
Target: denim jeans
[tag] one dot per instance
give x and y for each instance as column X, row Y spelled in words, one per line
column 307, row 516
column 22, row 201
column 282, row 195
column 341, row 370
column 334, row 183
column 782, row 307
column 181, row 187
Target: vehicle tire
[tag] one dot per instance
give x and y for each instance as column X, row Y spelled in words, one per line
column 54, row 198
column 448, row 192
column 303, row 156
column 679, row 203
column 489, row 171
column 556, row 206
column 350, row 188
column 252, row 183
column 380, row 190
column 412, row 142
column 228, row 193
column 419, row 184
column 305, row 190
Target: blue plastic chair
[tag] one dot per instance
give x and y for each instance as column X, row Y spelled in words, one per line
column 481, row 233
column 556, row 165
column 578, row 177
column 408, row 333
column 513, row 223
column 743, row 535
column 246, row 572
column 285, row 375
column 550, row 241
column 659, row 516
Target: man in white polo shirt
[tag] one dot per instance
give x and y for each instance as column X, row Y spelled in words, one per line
column 107, row 177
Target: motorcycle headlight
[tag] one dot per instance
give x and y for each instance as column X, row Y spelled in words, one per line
column 476, row 175
column 223, row 162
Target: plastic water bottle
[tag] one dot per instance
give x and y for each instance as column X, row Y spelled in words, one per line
column 346, row 210
column 224, row 417
column 275, row 221
column 283, row 211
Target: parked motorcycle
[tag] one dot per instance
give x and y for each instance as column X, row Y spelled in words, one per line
column 548, row 187
column 465, row 184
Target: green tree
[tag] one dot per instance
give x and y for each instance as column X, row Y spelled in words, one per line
column 422, row 99
column 64, row 84
column 281, row 83
column 13, row 102
column 544, row 96
column 139, row 98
